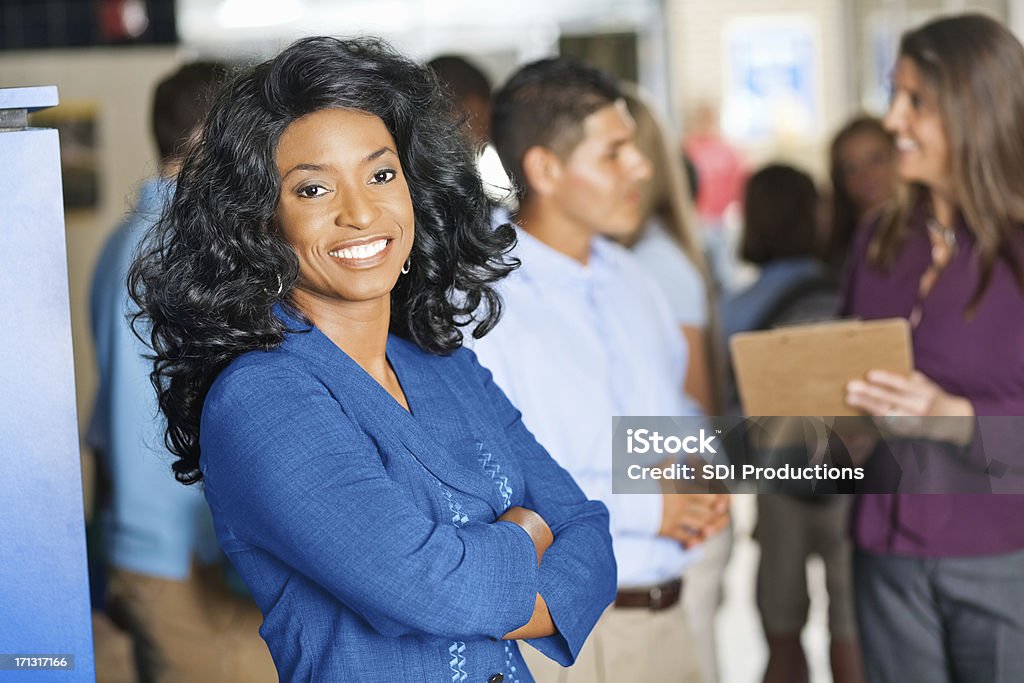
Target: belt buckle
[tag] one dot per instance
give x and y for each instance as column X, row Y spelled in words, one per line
column 655, row 596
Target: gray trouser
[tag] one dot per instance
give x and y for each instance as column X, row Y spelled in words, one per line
column 941, row 620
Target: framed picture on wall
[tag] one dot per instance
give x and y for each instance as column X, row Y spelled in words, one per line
column 77, row 126
column 772, row 78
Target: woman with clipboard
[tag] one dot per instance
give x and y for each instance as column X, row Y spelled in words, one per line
column 940, row 578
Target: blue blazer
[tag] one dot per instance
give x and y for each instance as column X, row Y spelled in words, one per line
column 367, row 533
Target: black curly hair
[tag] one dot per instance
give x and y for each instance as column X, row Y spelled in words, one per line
column 213, row 267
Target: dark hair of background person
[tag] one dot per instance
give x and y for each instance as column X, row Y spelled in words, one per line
column 845, row 212
column 215, row 264
column 471, row 91
column 974, row 63
column 544, row 105
column 180, row 102
column 780, row 215
column 667, row 194
column 460, row 76
column 692, row 177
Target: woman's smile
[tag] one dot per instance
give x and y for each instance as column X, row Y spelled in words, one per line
column 363, row 253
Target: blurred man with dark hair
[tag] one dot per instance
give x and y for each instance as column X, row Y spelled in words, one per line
column 471, row 89
column 180, row 102
column 166, row 586
column 587, row 335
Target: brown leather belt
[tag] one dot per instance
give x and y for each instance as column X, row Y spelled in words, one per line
column 659, row 597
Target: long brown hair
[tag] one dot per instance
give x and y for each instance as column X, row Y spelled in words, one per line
column 667, row 197
column 975, row 65
column 845, row 213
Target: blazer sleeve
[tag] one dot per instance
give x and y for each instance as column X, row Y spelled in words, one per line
column 578, row 573
column 288, row 472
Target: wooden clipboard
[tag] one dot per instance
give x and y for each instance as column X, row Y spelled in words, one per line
column 804, row 369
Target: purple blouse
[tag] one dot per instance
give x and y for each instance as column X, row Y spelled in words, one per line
column 981, row 359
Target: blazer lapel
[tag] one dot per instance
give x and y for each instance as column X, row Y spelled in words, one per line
column 435, row 408
column 437, row 437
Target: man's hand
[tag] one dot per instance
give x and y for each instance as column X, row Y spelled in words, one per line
column 692, row 518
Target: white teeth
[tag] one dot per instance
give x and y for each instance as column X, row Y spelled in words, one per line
column 362, row 251
column 905, row 144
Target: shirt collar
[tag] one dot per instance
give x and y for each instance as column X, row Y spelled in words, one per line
column 153, row 197
column 155, row 190
column 542, row 261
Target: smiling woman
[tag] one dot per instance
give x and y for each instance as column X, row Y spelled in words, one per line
column 304, row 294
column 345, row 210
column 941, row 577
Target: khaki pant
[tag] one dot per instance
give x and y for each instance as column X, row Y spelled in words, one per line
column 191, row 631
column 628, row 645
column 702, row 595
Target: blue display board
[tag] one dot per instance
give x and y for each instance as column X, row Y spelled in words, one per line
column 44, row 600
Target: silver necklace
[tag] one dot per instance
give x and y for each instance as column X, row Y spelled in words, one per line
column 941, row 255
column 946, row 234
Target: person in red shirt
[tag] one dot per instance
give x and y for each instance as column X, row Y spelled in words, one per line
column 721, row 175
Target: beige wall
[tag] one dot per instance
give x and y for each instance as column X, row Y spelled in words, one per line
column 119, row 82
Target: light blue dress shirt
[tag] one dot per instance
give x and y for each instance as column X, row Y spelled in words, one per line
column 681, row 282
column 153, row 525
column 578, row 345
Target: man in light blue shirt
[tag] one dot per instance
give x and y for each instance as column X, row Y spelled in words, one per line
column 164, row 577
column 587, row 335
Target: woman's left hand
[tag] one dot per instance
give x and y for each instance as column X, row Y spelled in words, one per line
column 905, row 401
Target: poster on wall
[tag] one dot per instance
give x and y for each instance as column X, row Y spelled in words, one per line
column 76, row 124
column 772, row 79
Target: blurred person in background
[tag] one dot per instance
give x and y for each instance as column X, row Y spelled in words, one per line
column 667, row 242
column 471, row 89
column 721, row 174
column 940, row 578
column 166, row 584
column 782, row 235
column 587, row 335
column 668, row 245
column 862, row 167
